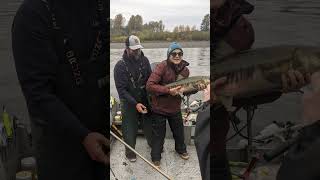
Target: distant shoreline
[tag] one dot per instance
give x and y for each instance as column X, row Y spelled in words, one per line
column 165, row 44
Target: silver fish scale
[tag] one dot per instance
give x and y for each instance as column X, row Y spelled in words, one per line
column 243, row 64
column 270, row 60
column 193, row 81
column 261, row 69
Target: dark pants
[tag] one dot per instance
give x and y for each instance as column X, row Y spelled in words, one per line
column 219, row 128
column 202, row 141
column 62, row 158
column 130, row 124
column 159, row 133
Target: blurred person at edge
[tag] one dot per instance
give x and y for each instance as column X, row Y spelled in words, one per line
column 302, row 159
column 59, row 49
column 232, row 33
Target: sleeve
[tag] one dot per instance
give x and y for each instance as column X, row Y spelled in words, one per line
column 153, row 85
column 185, row 72
column 121, row 82
column 148, row 68
column 36, row 65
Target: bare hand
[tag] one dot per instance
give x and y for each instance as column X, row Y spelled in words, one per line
column 311, row 101
column 216, row 84
column 293, row 81
column 94, row 143
column 201, row 87
column 310, row 106
column 206, row 93
column 141, row 108
column 175, row 91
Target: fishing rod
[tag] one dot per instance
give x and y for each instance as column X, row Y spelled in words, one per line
column 133, row 150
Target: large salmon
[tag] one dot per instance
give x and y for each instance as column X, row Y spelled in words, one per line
column 190, row 84
column 258, row 71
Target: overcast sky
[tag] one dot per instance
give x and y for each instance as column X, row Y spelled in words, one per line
column 171, row 12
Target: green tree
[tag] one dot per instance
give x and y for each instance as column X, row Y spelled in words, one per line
column 193, row 28
column 154, row 26
column 135, row 24
column 111, row 23
column 118, row 22
column 187, row 28
column 205, row 25
column 154, row 30
column 176, row 29
column 138, row 23
column 131, row 25
column 161, row 26
column 181, row 28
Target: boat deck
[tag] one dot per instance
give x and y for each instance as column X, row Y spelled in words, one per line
column 171, row 163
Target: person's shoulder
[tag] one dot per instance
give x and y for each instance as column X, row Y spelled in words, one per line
column 163, row 63
column 145, row 59
column 160, row 66
column 34, row 7
column 32, row 12
column 119, row 65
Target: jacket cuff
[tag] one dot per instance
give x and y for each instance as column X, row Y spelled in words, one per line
column 82, row 134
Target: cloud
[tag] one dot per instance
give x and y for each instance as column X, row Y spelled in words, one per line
column 187, row 12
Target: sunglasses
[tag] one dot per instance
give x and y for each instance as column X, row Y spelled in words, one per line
column 174, row 54
column 136, row 51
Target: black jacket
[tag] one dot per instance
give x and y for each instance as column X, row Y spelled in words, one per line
column 46, row 78
column 122, row 78
column 202, row 140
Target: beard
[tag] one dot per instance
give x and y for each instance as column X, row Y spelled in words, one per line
column 136, row 56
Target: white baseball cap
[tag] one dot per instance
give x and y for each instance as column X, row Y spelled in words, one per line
column 133, row 42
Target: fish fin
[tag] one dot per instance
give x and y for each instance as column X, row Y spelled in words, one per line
column 227, row 102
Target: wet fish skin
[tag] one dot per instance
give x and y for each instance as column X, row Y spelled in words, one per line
column 190, row 84
column 259, row 71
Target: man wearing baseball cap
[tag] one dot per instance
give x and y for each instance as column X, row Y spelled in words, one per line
column 130, row 75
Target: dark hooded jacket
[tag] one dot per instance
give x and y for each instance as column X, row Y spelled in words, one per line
column 46, row 77
column 123, row 82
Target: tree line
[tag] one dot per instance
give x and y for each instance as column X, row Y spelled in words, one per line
column 155, row 30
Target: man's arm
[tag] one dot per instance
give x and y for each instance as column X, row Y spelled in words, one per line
column 121, row 82
column 36, row 65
